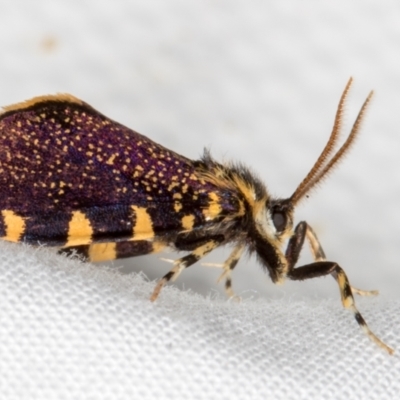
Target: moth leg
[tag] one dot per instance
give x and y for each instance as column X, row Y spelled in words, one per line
column 321, row 267
column 185, row 262
column 361, row 292
column 97, row 252
column 228, row 266
column 319, row 255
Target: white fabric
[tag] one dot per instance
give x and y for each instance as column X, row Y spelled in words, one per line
column 70, row 330
column 256, row 81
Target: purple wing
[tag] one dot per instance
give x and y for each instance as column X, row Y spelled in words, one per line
column 58, row 154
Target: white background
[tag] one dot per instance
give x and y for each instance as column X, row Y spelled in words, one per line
column 256, row 82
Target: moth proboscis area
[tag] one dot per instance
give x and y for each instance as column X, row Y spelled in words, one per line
column 71, row 177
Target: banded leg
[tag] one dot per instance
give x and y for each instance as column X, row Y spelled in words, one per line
column 97, row 252
column 321, row 267
column 183, row 263
column 319, row 255
column 228, row 266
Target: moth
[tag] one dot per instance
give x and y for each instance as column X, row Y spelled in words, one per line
column 73, row 178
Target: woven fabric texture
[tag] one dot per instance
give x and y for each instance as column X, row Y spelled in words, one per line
column 70, row 330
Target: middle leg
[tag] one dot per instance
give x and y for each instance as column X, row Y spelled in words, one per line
column 185, row 262
column 228, row 266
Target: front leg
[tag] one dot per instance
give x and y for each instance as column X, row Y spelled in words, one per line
column 321, row 267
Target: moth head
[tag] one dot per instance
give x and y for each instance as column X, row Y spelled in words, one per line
column 273, row 219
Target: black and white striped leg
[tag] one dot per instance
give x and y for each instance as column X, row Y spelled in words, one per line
column 321, row 267
column 228, row 266
column 319, row 255
column 183, row 263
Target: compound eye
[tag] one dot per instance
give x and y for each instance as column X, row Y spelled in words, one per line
column 279, row 219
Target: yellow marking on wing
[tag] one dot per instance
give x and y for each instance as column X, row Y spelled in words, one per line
column 143, row 228
column 102, row 252
column 62, row 97
column 80, row 230
column 214, row 208
column 173, row 185
column 110, row 161
column 15, row 226
column 188, row 222
column 177, row 206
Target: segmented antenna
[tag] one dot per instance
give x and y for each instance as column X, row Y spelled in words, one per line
column 324, row 165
